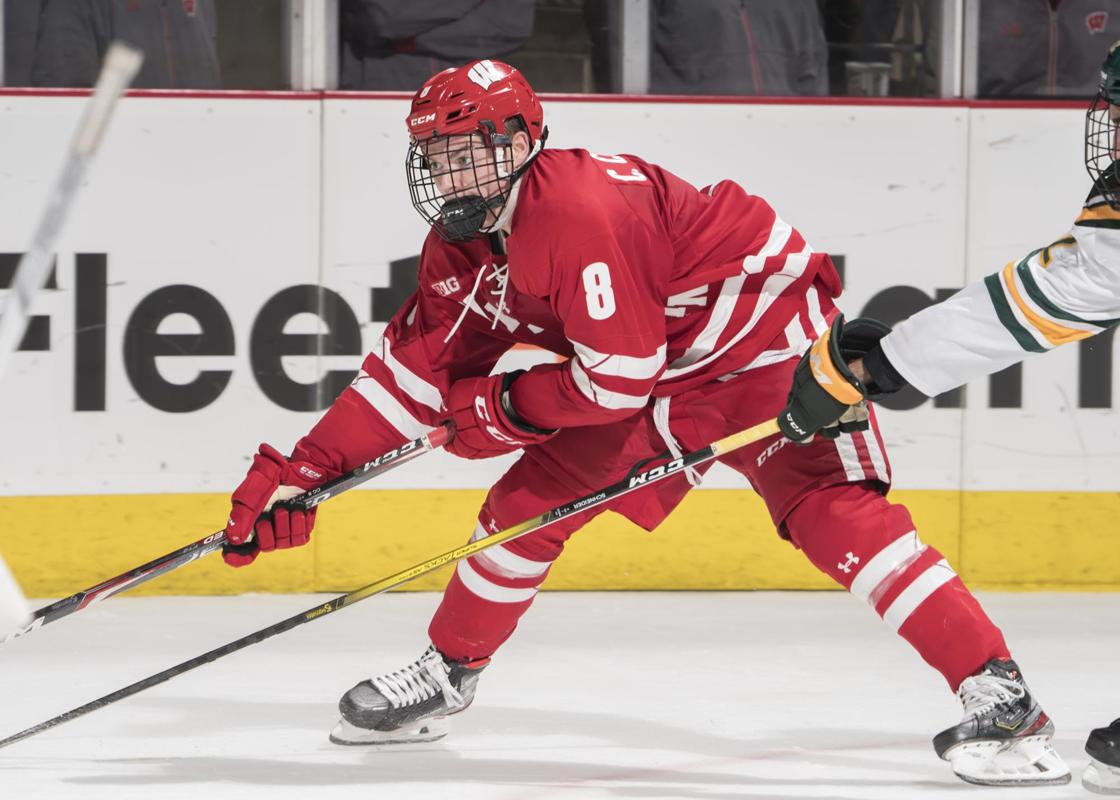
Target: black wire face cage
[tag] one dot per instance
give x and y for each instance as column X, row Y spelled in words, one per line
column 1101, row 150
column 460, row 183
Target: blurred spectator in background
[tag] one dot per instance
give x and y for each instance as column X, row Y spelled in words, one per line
column 399, row 44
column 252, row 48
column 1044, row 47
column 178, row 37
column 882, row 47
column 21, row 25
column 728, row 47
column 739, row 47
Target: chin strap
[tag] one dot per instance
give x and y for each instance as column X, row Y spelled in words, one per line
column 510, row 200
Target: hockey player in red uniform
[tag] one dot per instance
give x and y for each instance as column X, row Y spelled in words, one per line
column 1061, row 293
column 681, row 314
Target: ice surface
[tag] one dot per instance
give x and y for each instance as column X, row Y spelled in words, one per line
column 598, row 695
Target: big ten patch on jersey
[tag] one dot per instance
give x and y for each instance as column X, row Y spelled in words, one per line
column 621, row 170
column 446, row 287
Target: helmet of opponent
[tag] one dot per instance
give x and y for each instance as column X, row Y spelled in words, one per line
column 489, row 102
column 1101, row 143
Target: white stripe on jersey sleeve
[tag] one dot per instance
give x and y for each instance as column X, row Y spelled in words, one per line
column 729, row 296
column 412, row 384
column 604, row 398
column 816, row 316
column 636, row 368
column 388, row 406
column 779, row 236
column 696, row 358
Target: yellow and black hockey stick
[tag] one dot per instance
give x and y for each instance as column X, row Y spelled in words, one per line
column 630, row 483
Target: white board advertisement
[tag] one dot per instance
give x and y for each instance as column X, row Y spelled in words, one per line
column 138, row 373
column 184, row 325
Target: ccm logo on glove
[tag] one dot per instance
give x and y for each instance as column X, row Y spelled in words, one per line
column 826, row 396
column 259, row 521
column 485, row 423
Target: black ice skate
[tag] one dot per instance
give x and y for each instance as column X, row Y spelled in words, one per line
column 1103, row 773
column 409, row 705
column 1004, row 738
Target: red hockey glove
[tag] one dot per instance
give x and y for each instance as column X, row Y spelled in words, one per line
column 271, row 480
column 485, row 423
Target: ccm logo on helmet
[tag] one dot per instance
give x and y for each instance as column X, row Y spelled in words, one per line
column 421, row 120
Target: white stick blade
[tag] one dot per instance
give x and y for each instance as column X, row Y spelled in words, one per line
column 15, row 614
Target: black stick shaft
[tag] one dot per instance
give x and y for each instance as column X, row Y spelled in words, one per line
column 203, row 547
column 625, row 486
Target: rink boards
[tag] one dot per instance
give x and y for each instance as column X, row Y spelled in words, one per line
column 185, row 325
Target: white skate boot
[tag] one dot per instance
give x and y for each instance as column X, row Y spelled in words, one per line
column 1103, row 773
column 409, row 705
column 1004, row 738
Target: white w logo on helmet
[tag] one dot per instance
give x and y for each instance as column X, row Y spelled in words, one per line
column 485, row 73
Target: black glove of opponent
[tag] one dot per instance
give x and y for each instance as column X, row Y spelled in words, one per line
column 826, row 396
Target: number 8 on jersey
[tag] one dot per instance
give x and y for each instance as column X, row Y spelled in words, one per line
column 597, row 285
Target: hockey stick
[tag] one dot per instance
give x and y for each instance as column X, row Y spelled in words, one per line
column 119, row 68
column 196, row 550
column 626, row 485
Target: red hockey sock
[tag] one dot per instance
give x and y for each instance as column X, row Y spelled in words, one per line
column 869, row 546
column 487, row 596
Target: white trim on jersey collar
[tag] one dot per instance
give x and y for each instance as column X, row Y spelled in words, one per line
column 507, row 210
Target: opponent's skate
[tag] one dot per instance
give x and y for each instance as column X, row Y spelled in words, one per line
column 1004, row 738
column 409, row 705
column 1103, row 773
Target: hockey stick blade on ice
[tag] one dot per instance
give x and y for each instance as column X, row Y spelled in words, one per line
column 203, row 547
column 626, row 485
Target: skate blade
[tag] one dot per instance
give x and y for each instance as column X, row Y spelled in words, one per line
column 1030, row 761
column 427, row 731
column 1101, row 778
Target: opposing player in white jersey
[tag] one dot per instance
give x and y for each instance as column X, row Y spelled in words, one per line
column 1064, row 292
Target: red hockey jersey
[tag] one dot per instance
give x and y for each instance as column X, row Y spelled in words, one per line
column 646, row 284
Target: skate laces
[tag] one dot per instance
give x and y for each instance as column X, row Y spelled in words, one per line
column 982, row 693
column 419, row 681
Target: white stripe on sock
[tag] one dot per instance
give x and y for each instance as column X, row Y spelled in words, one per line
column 883, row 564
column 488, row 590
column 936, row 576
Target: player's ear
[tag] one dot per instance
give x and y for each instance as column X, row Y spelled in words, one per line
column 521, row 148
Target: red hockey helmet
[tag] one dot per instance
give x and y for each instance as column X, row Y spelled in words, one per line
column 461, row 190
column 462, row 100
